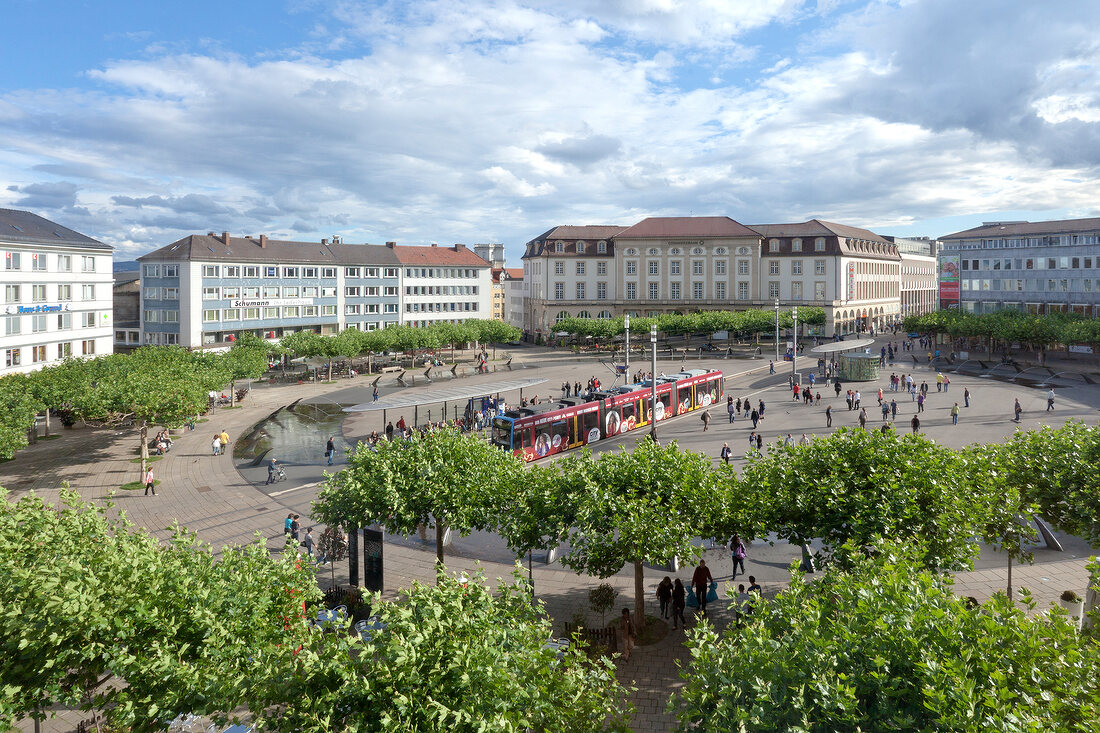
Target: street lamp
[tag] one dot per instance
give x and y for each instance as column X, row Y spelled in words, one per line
column 626, row 325
column 777, row 329
column 794, row 344
column 653, row 384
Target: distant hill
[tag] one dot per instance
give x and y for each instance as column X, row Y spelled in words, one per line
column 127, row 266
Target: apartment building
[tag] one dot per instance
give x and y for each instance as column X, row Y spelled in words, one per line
column 57, row 293
column 448, row 284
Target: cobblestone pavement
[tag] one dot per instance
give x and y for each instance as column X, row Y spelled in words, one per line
column 224, row 504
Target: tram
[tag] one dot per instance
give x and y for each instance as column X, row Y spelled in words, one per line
column 541, row 430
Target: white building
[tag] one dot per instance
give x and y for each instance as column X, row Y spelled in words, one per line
column 515, row 295
column 919, row 278
column 448, row 284
column 57, row 293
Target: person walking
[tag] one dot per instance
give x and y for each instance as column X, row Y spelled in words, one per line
column 759, row 442
column 626, row 633
column 885, row 410
column 374, row 393
column 216, row 444
column 679, row 601
column 287, row 523
column 837, row 387
column 1017, row 409
column 330, row 449
column 946, row 383
column 856, row 398
column 795, row 390
column 1050, row 399
column 849, row 397
column 706, row 420
column 966, row 398
column 150, row 484
column 737, row 549
column 761, row 408
column 272, row 470
column 294, row 527
column 771, row 370
column 755, row 419
column 752, row 440
column 863, row 418
column 955, row 414
column 664, row 595
column 307, row 542
column 223, row 438
column 731, row 409
column 915, row 422
column 939, row 381
column 700, row 582
column 893, row 409
column 920, row 402
column 829, row 416
column 726, row 453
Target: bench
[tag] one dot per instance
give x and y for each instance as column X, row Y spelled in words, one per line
column 391, row 369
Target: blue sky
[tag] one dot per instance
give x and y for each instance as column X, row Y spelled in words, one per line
column 493, row 120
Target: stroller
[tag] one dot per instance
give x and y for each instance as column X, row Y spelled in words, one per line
column 275, row 474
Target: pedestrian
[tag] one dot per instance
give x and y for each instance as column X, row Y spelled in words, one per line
column 915, row 422
column 307, row 542
column 829, row 416
column 294, row 527
column 726, row 453
column 837, row 387
column 1050, row 400
column 700, row 582
column 857, row 398
column 330, row 449
column 893, row 409
column 679, row 600
column 627, row 634
column 880, row 395
column 795, row 390
column 924, row 388
column 706, row 420
column 789, row 440
column 863, row 418
column 955, row 414
column 389, row 431
column 885, row 410
column 885, row 428
column 759, row 442
column 287, row 523
column 374, row 394
column 939, row 381
column 752, row 440
column 737, row 549
column 216, row 444
column 771, row 370
column 920, row 403
column 732, row 410
column 664, row 595
column 150, row 484
column 966, row 398
column 850, row 399
column 755, row 419
column 1017, row 409
column 946, row 383
column 738, row 405
column 761, row 407
column 272, row 470
column 223, row 438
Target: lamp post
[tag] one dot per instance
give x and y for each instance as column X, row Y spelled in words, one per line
column 777, row 329
column 653, row 384
column 794, row 344
column 626, row 325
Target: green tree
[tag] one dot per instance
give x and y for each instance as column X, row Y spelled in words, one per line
column 633, row 507
column 885, row 647
column 495, row 332
column 87, row 598
column 18, row 407
column 457, row 656
column 246, row 359
column 441, row 479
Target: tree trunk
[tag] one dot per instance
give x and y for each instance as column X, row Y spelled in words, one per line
column 144, row 448
column 329, row 370
column 639, row 596
column 439, row 530
column 1010, row 577
column 47, row 425
column 233, row 393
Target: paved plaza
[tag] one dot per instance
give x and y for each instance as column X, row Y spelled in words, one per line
column 224, row 500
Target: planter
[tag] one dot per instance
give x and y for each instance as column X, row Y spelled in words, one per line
column 1075, row 607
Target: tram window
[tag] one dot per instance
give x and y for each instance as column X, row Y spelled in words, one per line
column 715, row 389
column 683, row 398
column 558, row 433
column 502, row 433
column 523, row 437
column 574, row 426
column 628, row 414
column 591, row 420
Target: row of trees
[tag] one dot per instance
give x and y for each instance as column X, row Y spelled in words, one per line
column 98, row 615
column 1009, row 326
column 754, row 321
column 647, row 506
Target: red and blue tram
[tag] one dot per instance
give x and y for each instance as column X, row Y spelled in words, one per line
column 570, row 422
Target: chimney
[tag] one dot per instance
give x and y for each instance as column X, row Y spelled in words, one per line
column 324, row 241
column 433, row 244
column 391, row 245
column 459, row 247
column 225, row 237
column 263, row 240
column 211, row 234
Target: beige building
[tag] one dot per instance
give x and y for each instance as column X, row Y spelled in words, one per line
column 685, row 264
column 919, row 277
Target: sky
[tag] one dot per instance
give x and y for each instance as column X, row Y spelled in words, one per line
column 494, row 120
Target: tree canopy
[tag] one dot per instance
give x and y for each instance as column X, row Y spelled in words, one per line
column 1009, row 326
column 744, row 321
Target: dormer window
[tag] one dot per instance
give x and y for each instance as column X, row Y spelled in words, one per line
column 559, row 246
column 819, row 244
column 720, row 251
column 773, row 245
column 580, row 247
column 796, row 245
column 601, row 247
column 697, row 251
column 653, row 250
column 632, row 251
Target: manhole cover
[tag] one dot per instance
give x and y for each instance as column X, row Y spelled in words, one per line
column 202, row 489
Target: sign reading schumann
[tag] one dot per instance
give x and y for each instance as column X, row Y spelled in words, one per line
column 271, row 302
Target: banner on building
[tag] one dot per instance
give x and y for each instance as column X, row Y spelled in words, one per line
column 851, row 281
column 270, row 302
column 949, row 281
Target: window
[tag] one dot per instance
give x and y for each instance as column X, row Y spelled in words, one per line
column 231, row 314
column 819, row 244
column 580, row 268
column 796, row 267
column 773, row 267
column 559, row 291
column 631, row 291
column 674, row 267
column 559, row 268
column 172, row 316
column 87, row 292
column 674, row 290
column 64, row 351
column 580, row 291
column 328, row 310
column 601, row 291
column 227, row 293
column 328, row 272
column 696, row 267
column 697, row 291
column 211, row 293
column 773, row 245
column 64, row 321
column 211, row 316
column 290, row 272
column 559, row 246
column 654, row 268
column 742, row 267
column 327, row 292
column 720, row 290
column 796, row 291
column 12, row 358
column 390, row 272
column 151, row 316
column 87, row 347
column 352, row 292
column 632, row 267
column 271, row 312
column 251, row 271
column 773, row 290
column 171, row 339
column 653, row 291
column 210, row 271
column 271, row 291
column 309, row 272
column 351, row 272
column 38, row 293
column 11, row 261
column 11, row 294
column 151, row 294
column 309, row 311
column 291, row 311
column 654, row 251
column 742, row 291
column 151, row 270
column 11, row 325
column 391, row 307
column 310, row 291
column 232, row 270
column 819, row 267
column 251, row 291
column 251, row 314
column 270, row 271
column 580, row 247
column 819, row 291
column 38, row 354
column 796, row 245
column 720, row 267
column 390, row 290
column 601, row 268
column 171, row 271
column 65, row 264
column 601, row 247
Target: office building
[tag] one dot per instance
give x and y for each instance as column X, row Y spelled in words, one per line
column 919, row 279
column 57, row 293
